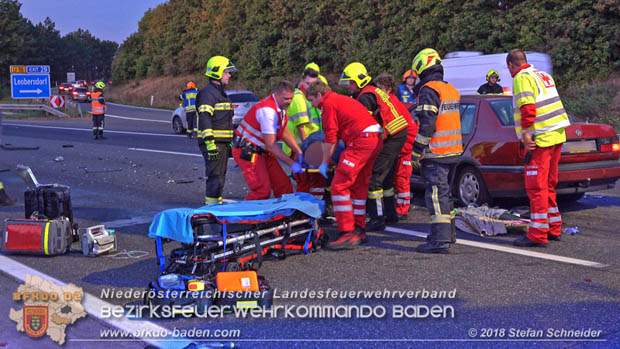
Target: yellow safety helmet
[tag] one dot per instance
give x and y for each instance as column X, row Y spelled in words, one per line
column 313, row 66
column 100, row 85
column 217, row 65
column 323, row 79
column 492, row 73
column 190, row 85
column 424, row 59
column 355, row 72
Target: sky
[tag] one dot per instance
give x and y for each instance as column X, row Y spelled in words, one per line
column 111, row 20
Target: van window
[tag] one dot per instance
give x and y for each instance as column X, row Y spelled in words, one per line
column 503, row 111
column 468, row 116
column 242, row 97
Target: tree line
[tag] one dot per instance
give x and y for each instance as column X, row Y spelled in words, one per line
column 273, row 38
column 22, row 42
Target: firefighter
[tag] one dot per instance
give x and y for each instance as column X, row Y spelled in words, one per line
column 215, row 113
column 491, row 87
column 540, row 122
column 188, row 96
column 348, row 120
column 381, row 201
column 255, row 149
column 5, row 200
column 405, row 90
column 98, row 108
column 304, row 120
column 403, row 170
column 439, row 145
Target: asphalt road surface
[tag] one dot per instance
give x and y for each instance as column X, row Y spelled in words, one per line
column 501, row 298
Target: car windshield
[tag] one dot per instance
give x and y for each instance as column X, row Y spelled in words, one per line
column 503, row 111
column 81, row 89
column 243, row 97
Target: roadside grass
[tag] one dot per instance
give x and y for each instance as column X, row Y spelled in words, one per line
column 25, row 114
column 597, row 102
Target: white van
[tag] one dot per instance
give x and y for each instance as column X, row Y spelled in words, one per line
column 467, row 70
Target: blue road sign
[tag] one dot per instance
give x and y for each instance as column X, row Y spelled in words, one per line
column 30, row 86
column 38, row 69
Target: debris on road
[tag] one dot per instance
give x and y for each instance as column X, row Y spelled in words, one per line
column 571, row 231
column 180, row 181
column 101, row 171
column 59, row 159
column 67, row 145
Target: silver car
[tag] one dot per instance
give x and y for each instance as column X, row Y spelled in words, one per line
column 242, row 102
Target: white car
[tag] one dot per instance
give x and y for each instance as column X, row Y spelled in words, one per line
column 242, row 102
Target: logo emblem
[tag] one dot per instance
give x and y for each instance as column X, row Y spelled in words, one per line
column 35, row 320
column 578, row 132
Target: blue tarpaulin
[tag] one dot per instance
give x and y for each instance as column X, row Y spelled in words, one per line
column 176, row 224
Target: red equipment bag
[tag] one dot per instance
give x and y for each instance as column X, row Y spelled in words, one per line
column 38, row 237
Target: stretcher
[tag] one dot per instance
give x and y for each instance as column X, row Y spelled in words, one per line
column 237, row 236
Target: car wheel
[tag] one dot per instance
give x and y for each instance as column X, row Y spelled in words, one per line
column 177, row 125
column 470, row 187
column 569, row 198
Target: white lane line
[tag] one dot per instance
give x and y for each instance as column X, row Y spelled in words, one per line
column 91, row 130
column 165, row 152
column 93, row 306
column 134, row 107
column 500, row 248
column 136, row 119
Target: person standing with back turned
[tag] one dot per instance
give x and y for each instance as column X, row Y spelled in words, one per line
column 97, row 104
column 540, row 120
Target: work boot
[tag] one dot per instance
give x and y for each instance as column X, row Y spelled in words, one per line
column 434, row 247
column 376, row 224
column 452, row 238
column 392, row 219
column 526, row 242
column 101, row 135
column 346, row 240
column 552, row 237
column 362, row 233
column 5, row 200
column 95, row 134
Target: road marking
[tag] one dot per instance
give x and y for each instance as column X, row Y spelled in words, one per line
column 131, row 106
column 91, row 130
column 165, row 152
column 500, row 248
column 93, row 306
column 136, row 119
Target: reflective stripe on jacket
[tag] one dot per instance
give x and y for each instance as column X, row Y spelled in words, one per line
column 250, row 128
column 97, row 103
column 391, row 120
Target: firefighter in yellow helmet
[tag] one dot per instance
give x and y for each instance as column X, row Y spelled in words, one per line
column 98, row 108
column 491, row 87
column 439, row 145
column 215, row 130
column 188, row 96
column 387, row 110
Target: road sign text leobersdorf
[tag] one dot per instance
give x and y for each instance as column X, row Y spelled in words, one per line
column 30, row 86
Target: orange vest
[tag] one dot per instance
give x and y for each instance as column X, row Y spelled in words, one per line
column 447, row 139
column 391, row 120
column 96, row 106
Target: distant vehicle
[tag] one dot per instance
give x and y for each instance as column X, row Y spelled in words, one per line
column 65, row 88
column 81, row 94
column 467, row 70
column 242, row 102
column 491, row 166
column 83, row 83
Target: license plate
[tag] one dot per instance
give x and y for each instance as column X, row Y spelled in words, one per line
column 579, row 147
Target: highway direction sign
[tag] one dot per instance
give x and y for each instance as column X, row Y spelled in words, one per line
column 30, row 86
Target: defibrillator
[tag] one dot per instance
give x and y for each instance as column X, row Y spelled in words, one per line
column 98, row 240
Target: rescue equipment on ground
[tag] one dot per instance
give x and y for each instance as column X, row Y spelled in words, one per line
column 98, row 240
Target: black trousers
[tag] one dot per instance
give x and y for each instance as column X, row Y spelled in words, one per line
column 98, row 123
column 381, row 201
column 437, row 175
column 191, row 121
column 215, row 173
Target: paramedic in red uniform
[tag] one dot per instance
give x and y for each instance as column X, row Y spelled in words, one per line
column 255, row 149
column 346, row 119
column 381, row 201
column 540, row 120
column 403, row 167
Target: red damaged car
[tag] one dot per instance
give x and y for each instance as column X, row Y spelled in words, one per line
column 492, row 165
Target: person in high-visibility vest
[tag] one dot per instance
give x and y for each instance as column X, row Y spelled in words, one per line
column 5, row 200
column 491, row 87
column 98, row 108
column 188, row 96
column 439, row 145
column 540, row 120
column 404, row 93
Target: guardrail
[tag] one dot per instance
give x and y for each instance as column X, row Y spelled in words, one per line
column 43, row 107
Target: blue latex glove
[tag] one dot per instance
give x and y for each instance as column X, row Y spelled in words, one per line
column 296, row 168
column 300, row 158
column 323, row 169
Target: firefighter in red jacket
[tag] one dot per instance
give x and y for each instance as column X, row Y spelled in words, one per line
column 540, row 120
column 381, row 201
column 403, row 170
column 255, row 149
column 439, row 144
column 348, row 120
